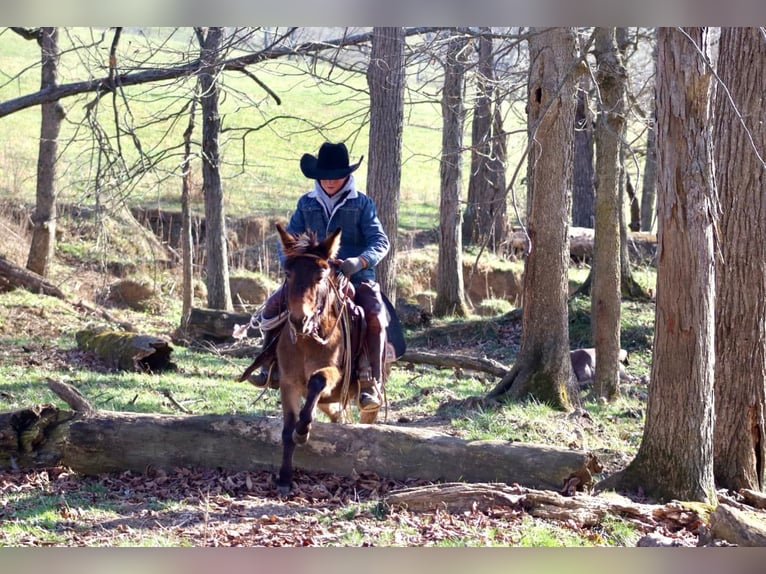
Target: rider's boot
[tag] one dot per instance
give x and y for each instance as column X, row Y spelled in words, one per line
column 269, row 373
column 371, row 373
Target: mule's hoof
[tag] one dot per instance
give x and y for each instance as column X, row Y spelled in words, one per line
column 284, row 489
column 300, row 439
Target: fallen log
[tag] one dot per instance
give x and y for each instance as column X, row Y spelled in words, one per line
column 127, row 351
column 12, row 276
column 456, row 361
column 583, row 509
column 743, row 528
column 105, row 441
column 216, row 324
column 641, row 244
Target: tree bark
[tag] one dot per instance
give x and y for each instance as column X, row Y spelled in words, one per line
column 450, row 297
column 43, row 243
column 740, row 337
column 605, row 288
column 114, row 442
column 386, row 79
column 216, row 256
column 675, row 459
column 543, row 369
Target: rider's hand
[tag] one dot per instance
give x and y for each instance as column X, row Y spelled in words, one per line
column 352, row 265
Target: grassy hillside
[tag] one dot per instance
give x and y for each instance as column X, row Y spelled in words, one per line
column 261, row 143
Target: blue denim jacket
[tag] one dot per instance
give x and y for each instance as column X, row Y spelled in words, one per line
column 362, row 232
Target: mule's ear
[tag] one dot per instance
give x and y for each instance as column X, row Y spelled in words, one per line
column 331, row 244
column 287, row 239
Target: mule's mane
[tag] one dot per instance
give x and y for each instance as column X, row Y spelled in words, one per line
column 305, row 244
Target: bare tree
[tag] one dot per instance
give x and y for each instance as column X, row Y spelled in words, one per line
column 386, row 79
column 450, row 298
column 543, row 369
column 629, row 286
column 52, row 114
column 609, row 134
column 740, row 334
column 675, row 459
column 485, row 210
column 217, row 268
column 187, row 243
column 649, row 184
column 583, row 189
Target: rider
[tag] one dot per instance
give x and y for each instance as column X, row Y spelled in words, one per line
column 336, row 202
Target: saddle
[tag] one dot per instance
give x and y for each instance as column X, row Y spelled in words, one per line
column 356, row 325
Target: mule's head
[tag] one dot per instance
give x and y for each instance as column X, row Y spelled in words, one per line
column 307, row 273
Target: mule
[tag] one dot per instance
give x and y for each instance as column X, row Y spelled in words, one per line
column 314, row 355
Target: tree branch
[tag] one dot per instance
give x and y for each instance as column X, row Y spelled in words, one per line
column 106, row 85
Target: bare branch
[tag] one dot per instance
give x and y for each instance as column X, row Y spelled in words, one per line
column 105, row 85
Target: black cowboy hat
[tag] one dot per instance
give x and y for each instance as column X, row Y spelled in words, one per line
column 330, row 163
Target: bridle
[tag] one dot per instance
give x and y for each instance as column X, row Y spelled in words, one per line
column 326, row 285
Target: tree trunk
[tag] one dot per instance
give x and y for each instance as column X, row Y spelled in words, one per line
column 740, row 338
column 44, row 218
column 485, row 211
column 629, row 287
column 450, row 298
column 216, row 257
column 675, row 459
column 649, row 187
column 605, row 289
column 187, row 241
column 543, row 369
column 385, row 78
column 115, row 442
column 583, row 190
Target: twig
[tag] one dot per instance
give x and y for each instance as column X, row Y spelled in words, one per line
column 168, row 395
column 70, row 396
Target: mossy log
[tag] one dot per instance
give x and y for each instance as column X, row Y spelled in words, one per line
column 127, row 351
column 103, row 441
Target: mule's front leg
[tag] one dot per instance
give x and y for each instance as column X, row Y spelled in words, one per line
column 290, row 406
column 284, row 482
column 317, row 383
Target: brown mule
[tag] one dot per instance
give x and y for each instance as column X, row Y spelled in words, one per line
column 316, row 368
